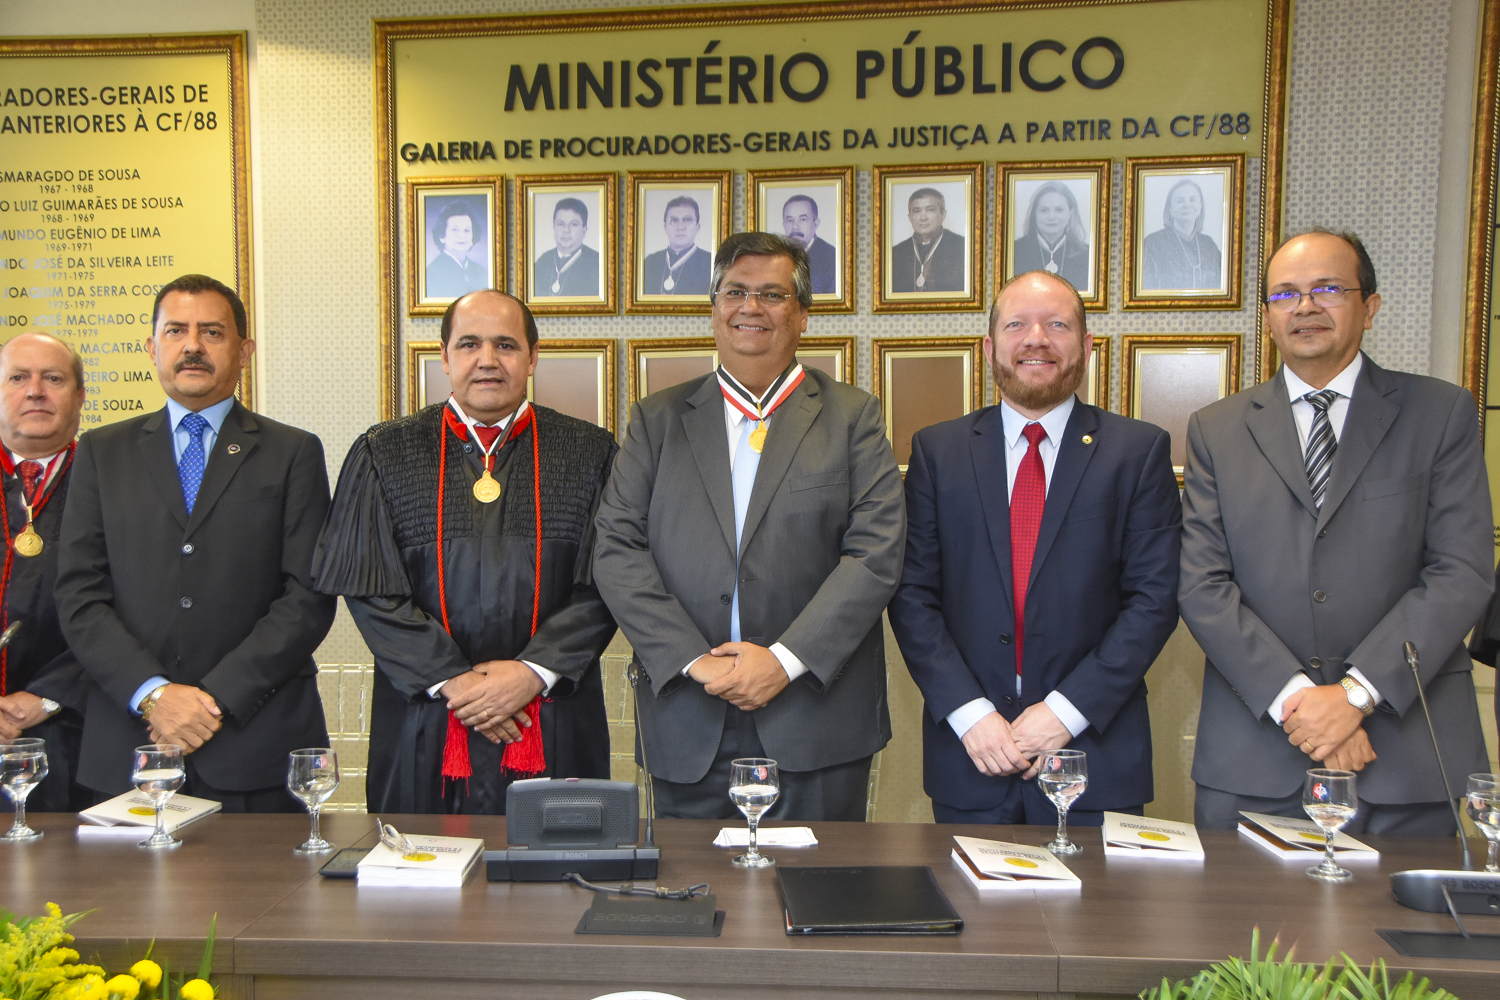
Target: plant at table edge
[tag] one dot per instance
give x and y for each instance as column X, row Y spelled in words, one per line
column 1268, row 979
column 34, row 965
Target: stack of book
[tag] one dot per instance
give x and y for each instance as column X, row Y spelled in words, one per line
column 996, row 866
column 432, row 863
column 1288, row 837
column 125, row 815
column 1127, row 836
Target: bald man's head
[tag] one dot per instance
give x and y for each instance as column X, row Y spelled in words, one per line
column 41, row 394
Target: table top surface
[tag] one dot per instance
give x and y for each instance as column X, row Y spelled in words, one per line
column 1130, row 924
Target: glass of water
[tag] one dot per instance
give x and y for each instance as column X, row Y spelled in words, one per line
column 754, row 784
column 1328, row 797
column 157, row 773
column 1062, row 777
column 312, row 775
column 23, row 765
column 1482, row 803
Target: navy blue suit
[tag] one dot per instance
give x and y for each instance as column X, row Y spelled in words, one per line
column 1101, row 602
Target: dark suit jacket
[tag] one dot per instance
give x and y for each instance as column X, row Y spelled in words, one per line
column 691, row 278
column 222, row 600
column 1271, row 584
column 1072, row 264
column 580, row 279
column 819, row 558
column 445, row 277
column 823, row 263
column 945, row 272
column 1101, row 601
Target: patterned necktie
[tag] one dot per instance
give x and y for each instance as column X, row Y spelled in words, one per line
column 31, row 479
column 1320, row 444
column 190, row 465
column 1028, row 498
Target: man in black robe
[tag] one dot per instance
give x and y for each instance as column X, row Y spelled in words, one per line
column 42, row 691
column 480, row 653
column 931, row 259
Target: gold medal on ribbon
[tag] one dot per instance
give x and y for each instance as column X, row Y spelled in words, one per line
column 758, row 437
column 486, row 490
column 28, row 543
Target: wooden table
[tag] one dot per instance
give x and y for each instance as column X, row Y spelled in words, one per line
column 284, row 932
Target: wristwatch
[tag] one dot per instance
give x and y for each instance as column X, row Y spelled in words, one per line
column 149, row 702
column 50, row 707
column 1358, row 696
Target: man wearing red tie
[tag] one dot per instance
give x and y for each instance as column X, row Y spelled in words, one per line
column 1040, row 579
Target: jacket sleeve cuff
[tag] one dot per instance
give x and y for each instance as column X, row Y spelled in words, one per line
column 1375, row 698
column 548, row 677
column 142, row 691
column 964, row 717
column 1297, row 683
column 1066, row 713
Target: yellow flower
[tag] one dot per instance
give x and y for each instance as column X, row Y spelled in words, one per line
column 91, row 987
column 122, row 988
column 197, row 989
column 148, row 972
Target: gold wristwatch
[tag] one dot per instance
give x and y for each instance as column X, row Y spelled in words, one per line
column 149, row 702
column 1358, row 694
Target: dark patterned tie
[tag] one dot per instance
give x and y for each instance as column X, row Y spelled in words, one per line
column 1320, row 443
column 190, row 465
column 1028, row 498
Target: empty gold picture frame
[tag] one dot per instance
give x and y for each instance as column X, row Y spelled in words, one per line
column 816, row 207
column 674, row 223
column 1166, row 378
column 1184, row 226
column 653, row 365
column 1055, row 217
column 945, row 201
column 565, row 244
column 834, row 356
column 576, row 377
column 455, row 235
column 923, row 381
column 1095, row 388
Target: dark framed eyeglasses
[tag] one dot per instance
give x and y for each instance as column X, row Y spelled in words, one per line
column 1322, row 296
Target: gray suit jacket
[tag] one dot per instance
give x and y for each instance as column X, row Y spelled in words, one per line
column 1271, row 585
column 819, row 559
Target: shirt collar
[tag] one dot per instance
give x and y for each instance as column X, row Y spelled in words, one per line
column 213, row 414
column 16, row 459
column 1054, row 421
column 1342, row 383
column 471, row 423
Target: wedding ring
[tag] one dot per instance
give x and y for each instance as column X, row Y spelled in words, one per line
column 484, row 715
column 1307, row 746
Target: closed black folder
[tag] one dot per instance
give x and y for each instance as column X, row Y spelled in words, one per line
column 872, row 899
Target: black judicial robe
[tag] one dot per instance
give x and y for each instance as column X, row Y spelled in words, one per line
column 37, row 659
column 379, row 550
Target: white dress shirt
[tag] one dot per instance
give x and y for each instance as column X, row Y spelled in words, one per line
column 1055, row 423
column 1302, row 412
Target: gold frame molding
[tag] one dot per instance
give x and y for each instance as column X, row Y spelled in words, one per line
column 844, row 346
column 419, row 350
column 1190, row 343
column 609, row 246
column 700, row 178
column 496, row 184
column 1103, row 175
column 416, row 352
column 1233, row 250
column 976, row 237
column 1099, row 364
column 232, row 44
column 886, row 348
column 1479, row 282
column 638, row 350
column 843, row 176
column 1273, row 141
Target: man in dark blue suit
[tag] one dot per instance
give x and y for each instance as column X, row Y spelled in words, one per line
column 1081, row 507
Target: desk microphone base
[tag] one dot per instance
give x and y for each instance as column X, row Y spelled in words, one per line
column 1422, row 889
column 605, row 864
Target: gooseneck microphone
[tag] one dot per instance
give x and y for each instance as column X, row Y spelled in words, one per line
column 9, row 633
column 1411, row 661
column 634, row 673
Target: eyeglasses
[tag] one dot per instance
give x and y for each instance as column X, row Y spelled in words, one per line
column 393, row 838
column 736, row 297
column 1322, row 296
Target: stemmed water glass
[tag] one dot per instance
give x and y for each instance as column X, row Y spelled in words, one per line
column 1328, row 797
column 1062, row 776
column 312, row 775
column 1482, row 803
column 754, row 784
column 23, row 765
column 157, row 772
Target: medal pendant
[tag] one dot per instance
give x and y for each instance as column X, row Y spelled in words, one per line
column 758, row 437
column 486, row 490
column 669, row 284
column 28, row 543
column 1052, row 266
column 921, row 280
column 556, row 286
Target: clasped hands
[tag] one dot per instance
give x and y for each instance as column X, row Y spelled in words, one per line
column 744, row 674
column 998, row 747
column 1322, row 724
column 19, row 712
column 492, row 698
column 184, row 715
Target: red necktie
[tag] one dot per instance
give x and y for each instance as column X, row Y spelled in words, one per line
column 31, row 478
column 486, row 435
column 1027, row 500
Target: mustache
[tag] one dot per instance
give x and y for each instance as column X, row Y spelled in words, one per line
column 193, row 361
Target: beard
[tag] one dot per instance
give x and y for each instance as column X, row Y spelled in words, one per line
column 1042, row 397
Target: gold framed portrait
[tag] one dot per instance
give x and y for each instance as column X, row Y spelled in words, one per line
column 816, row 208
column 1166, row 378
column 674, row 223
column 576, row 377
column 565, row 246
column 833, row 356
column 923, row 381
column 1055, row 217
column 660, row 363
column 455, row 229
column 1095, row 388
column 929, row 237
column 1184, row 226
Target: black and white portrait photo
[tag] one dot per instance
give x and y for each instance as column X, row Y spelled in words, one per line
column 811, row 206
column 568, row 236
column 929, row 231
column 676, row 227
column 1185, row 231
column 452, row 242
column 1055, row 217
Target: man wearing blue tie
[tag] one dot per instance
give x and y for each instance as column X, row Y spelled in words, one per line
column 184, row 571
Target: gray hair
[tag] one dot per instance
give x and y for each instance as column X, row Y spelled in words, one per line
column 1166, row 208
column 764, row 245
column 75, row 360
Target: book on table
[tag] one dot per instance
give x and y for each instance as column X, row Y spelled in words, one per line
column 1291, row 837
column 1127, row 836
column 134, row 809
column 997, row 866
column 432, row 863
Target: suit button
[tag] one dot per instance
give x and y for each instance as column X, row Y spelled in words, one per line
column 1010, row 700
column 1323, row 533
column 723, row 598
column 1005, row 638
column 468, row 448
column 187, row 548
column 1315, row 663
column 1319, row 596
column 186, row 602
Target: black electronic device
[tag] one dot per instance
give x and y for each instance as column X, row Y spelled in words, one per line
column 344, row 864
column 561, row 826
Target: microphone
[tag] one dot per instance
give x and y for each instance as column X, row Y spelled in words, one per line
column 1411, row 661
column 9, row 633
column 633, row 672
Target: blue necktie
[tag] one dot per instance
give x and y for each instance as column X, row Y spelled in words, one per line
column 746, row 461
column 190, row 465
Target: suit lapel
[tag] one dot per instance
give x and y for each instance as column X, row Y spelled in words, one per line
column 160, row 460
column 236, row 440
column 1073, row 457
column 787, row 428
column 1371, row 413
column 987, row 449
column 704, row 425
column 1275, row 432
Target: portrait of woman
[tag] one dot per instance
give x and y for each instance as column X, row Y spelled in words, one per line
column 1181, row 255
column 1054, row 237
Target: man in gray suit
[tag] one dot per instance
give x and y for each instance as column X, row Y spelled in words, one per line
column 748, row 540
column 1330, row 515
